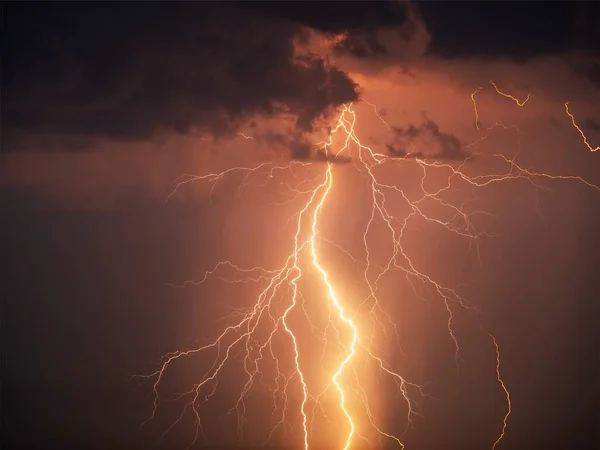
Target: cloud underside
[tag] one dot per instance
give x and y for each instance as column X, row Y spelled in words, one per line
column 207, row 69
column 207, row 74
column 443, row 145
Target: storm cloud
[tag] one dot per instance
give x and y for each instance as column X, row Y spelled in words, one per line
column 99, row 99
column 445, row 146
column 125, row 73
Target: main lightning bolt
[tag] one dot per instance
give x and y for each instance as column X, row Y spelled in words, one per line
column 259, row 329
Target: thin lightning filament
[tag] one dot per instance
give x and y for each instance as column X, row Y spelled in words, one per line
column 583, row 136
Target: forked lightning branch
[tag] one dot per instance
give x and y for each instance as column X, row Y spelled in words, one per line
column 347, row 329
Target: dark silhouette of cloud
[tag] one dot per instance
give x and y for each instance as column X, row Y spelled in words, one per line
column 126, row 72
column 585, row 64
column 337, row 16
column 83, row 71
column 361, row 44
column 321, row 155
column 451, row 147
column 591, row 124
column 518, row 30
column 448, row 146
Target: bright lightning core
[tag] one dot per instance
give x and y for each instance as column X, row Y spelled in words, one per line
column 306, row 341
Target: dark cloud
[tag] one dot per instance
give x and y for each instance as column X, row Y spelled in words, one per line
column 407, row 72
column 130, row 70
column 82, row 71
column 299, row 146
column 447, row 146
column 336, row 16
column 399, row 38
column 361, row 22
column 515, row 30
column 586, row 64
column 397, row 152
column 300, row 149
column 16, row 142
column 591, row 124
column 450, row 145
column 361, row 44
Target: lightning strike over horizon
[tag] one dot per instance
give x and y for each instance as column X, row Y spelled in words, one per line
column 301, row 300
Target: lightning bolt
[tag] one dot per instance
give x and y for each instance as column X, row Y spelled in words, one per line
column 583, row 136
column 475, row 106
column 503, row 94
column 338, row 306
column 378, row 114
column 514, row 99
column 506, row 393
column 245, row 136
column 281, row 317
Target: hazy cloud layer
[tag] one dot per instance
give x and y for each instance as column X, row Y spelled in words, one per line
column 135, row 114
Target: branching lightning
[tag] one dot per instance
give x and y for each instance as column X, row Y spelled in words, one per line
column 258, row 332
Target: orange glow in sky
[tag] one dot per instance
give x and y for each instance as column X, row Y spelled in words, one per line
column 303, row 308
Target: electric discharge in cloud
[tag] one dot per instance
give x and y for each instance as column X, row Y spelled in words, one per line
column 266, row 340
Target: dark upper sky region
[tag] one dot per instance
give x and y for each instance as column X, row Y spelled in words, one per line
column 128, row 70
column 91, row 89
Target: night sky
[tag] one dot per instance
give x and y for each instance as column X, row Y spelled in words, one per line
column 105, row 104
